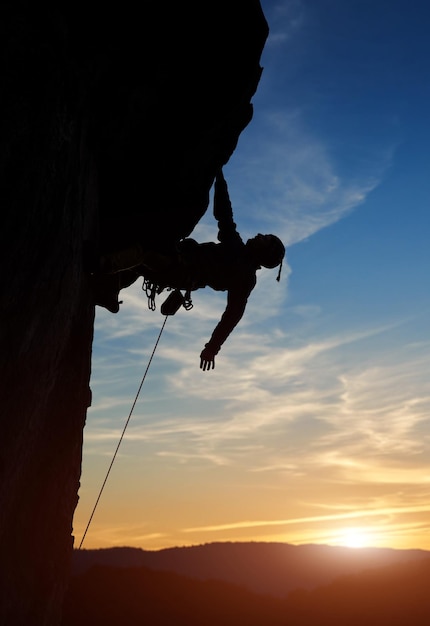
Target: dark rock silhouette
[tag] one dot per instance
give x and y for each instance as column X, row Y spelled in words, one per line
column 114, row 119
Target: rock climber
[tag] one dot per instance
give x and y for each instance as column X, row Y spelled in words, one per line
column 229, row 265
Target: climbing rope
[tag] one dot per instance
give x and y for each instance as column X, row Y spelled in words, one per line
column 122, row 434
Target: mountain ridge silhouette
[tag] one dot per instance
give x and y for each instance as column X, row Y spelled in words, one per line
column 261, row 567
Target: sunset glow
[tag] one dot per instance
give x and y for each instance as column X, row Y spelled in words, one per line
column 355, row 538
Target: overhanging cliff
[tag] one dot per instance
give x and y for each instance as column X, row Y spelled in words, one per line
column 114, row 122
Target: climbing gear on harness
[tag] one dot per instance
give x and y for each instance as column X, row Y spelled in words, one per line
column 151, row 290
column 174, row 301
column 122, row 435
column 188, row 303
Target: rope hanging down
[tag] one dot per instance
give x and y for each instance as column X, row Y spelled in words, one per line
column 122, row 434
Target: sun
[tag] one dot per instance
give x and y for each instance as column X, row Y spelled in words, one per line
column 354, row 538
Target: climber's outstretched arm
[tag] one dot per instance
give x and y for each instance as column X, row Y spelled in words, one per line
column 236, row 304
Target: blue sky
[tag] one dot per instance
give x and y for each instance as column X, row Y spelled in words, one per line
column 314, row 426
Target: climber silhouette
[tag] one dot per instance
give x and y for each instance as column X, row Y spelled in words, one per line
column 229, row 265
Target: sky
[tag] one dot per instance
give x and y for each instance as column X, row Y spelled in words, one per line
column 314, row 426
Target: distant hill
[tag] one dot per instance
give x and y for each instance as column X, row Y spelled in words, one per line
column 394, row 595
column 265, row 568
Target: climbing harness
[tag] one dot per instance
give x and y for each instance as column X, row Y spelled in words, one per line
column 122, row 435
column 173, row 301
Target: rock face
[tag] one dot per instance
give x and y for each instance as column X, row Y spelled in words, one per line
column 114, row 122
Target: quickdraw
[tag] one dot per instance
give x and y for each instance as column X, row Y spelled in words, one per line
column 174, row 301
column 151, row 290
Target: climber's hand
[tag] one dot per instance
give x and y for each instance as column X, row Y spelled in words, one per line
column 207, row 359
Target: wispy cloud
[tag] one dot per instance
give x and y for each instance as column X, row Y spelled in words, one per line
column 285, row 21
column 290, row 185
column 364, row 414
column 311, row 519
column 118, row 535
